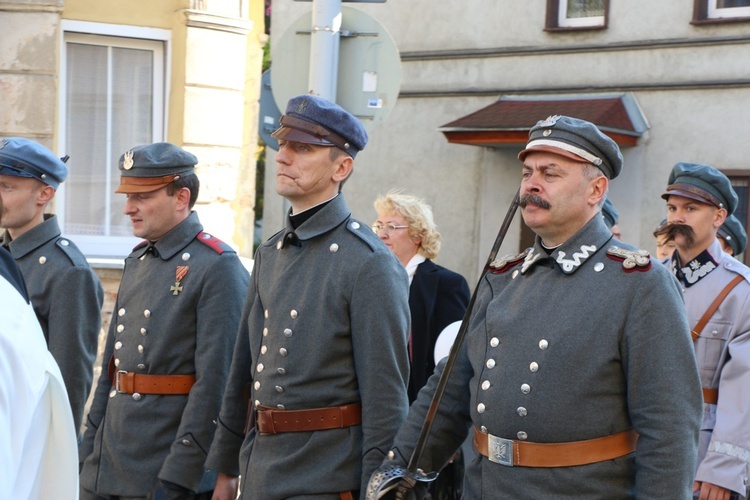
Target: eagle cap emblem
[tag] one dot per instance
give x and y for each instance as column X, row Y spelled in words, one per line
column 301, row 107
column 550, row 121
column 127, row 161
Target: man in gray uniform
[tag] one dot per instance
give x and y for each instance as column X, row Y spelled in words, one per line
column 169, row 344
column 322, row 348
column 577, row 371
column 699, row 198
column 65, row 292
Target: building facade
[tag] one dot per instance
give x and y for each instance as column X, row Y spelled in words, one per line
column 680, row 65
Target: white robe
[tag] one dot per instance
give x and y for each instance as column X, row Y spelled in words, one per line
column 38, row 446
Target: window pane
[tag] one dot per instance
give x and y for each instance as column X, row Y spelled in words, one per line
column 728, row 4
column 86, row 124
column 132, row 108
column 585, row 8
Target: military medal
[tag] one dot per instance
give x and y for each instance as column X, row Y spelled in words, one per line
column 179, row 275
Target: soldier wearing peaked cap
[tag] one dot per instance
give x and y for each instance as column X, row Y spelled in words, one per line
column 717, row 298
column 37, row 438
column 322, row 349
column 565, row 388
column 169, row 344
column 732, row 236
column 65, row 292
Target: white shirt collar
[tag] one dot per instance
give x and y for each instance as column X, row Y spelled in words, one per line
column 411, row 266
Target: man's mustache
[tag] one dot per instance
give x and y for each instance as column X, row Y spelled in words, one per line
column 672, row 230
column 533, row 199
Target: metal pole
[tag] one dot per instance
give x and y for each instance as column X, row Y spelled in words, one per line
column 324, row 48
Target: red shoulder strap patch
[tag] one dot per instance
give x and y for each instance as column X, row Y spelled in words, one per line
column 214, row 243
column 632, row 260
column 499, row 266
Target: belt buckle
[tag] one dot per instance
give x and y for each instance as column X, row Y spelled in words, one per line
column 500, row 450
column 117, row 379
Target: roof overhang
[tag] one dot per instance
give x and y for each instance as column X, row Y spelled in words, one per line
column 507, row 121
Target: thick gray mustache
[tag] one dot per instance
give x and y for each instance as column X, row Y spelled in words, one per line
column 533, row 199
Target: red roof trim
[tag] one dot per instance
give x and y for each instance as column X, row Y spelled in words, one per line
column 507, row 121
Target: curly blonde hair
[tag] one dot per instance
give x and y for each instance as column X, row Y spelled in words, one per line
column 418, row 215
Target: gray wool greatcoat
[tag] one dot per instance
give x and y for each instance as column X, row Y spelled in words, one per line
column 723, row 354
column 67, row 298
column 325, row 324
column 130, row 440
column 569, row 347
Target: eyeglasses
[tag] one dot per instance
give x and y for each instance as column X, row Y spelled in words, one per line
column 387, row 228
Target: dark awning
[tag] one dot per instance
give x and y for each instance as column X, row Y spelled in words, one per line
column 507, row 121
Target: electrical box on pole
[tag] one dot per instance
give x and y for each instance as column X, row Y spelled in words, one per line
column 368, row 66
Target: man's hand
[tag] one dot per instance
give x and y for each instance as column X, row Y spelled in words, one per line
column 165, row 490
column 711, row 491
column 226, row 487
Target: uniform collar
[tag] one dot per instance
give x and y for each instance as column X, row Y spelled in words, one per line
column 575, row 251
column 698, row 268
column 329, row 216
column 33, row 238
column 176, row 239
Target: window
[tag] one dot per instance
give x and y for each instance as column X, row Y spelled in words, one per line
column 112, row 98
column 720, row 10
column 571, row 14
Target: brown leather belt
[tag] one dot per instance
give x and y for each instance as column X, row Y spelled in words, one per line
column 524, row 454
column 710, row 395
column 130, row 383
column 273, row 421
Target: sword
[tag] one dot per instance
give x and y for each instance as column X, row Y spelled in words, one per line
column 395, row 479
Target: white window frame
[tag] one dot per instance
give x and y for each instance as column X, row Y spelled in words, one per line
column 715, row 12
column 563, row 21
column 114, row 248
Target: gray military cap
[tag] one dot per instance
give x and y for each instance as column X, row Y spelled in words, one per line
column 148, row 168
column 734, row 234
column 25, row 158
column 576, row 139
column 313, row 120
column 701, row 183
column 609, row 212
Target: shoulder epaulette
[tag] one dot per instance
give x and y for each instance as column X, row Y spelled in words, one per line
column 632, row 260
column 140, row 245
column 363, row 232
column 499, row 266
column 214, row 243
column 71, row 251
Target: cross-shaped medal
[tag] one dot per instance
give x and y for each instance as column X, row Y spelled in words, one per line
column 179, row 275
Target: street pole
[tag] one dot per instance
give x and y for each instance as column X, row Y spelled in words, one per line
column 324, row 48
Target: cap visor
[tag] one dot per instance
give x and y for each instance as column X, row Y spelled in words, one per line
column 292, row 134
column 136, row 185
column 687, row 194
column 550, row 149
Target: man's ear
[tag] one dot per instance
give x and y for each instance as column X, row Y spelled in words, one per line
column 45, row 194
column 720, row 217
column 183, row 198
column 344, row 167
column 599, row 188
